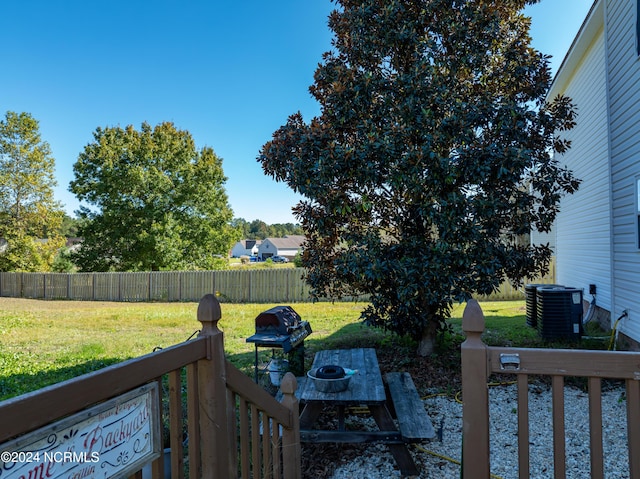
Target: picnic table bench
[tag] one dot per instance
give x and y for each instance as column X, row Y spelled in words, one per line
column 413, row 420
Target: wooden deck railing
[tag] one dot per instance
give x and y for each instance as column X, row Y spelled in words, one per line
column 480, row 360
column 235, row 428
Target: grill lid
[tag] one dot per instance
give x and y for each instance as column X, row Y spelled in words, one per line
column 278, row 320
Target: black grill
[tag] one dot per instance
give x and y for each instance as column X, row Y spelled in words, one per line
column 280, row 327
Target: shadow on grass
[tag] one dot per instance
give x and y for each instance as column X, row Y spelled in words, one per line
column 16, row 384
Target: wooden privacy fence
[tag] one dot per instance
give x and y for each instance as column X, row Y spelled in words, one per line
column 234, row 427
column 479, row 361
column 245, row 286
column 258, row 286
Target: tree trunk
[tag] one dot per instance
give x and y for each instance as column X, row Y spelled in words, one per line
column 427, row 342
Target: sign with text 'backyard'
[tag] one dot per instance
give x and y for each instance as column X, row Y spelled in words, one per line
column 114, row 438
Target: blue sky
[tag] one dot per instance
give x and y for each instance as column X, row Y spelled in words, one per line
column 228, row 72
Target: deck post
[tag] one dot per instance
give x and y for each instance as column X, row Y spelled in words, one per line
column 212, row 395
column 291, row 449
column 475, row 396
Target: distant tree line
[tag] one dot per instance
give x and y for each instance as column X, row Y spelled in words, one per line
column 259, row 230
column 256, row 229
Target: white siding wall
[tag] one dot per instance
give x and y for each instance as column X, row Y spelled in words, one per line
column 544, row 238
column 624, row 94
column 584, row 224
column 239, row 250
column 267, row 248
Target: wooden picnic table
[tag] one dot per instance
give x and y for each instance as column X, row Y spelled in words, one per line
column 366, row 388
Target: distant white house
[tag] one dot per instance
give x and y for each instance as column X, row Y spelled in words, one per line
column 598, row 228
column 288, row 247
column 245, row 247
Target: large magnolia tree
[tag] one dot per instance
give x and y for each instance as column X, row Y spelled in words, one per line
column 155, row 202
column 431, row 158
column 30, row 217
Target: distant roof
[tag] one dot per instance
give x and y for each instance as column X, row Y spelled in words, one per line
column 288, row 242
column 250, row 243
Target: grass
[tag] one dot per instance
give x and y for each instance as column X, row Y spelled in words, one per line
column 237, row 264
column 44, row 342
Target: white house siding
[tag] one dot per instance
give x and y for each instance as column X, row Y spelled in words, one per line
column 583, row 248
column 267, row 249
column 287, row 246
column 624, row 98
column 544, row 238
column 245, row 248
column 239, row 250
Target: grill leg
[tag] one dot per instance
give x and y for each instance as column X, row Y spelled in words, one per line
column 255, row 365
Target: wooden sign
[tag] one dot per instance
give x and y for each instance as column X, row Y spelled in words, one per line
column 112, row 439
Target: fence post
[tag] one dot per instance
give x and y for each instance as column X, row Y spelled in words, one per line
column 475, row 396
column 212, row 395
column 291, row 449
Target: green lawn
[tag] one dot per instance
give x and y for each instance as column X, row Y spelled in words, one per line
column 44, row 342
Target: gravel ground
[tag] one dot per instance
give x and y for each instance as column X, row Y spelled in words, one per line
column 375, row 462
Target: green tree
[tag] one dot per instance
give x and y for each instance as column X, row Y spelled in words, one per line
column 279, row 230
column 62, row 262
column 30, row 218
column 258, row 229
column 430, row 157
column 155, row 202
column 69, row 227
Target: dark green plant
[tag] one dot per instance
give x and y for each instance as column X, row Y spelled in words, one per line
column 431, row 159
column 62, row 262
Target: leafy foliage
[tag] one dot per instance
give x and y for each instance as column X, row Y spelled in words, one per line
column 430, row 159
column 156, row 203
column 69, row 227
column 30, row 218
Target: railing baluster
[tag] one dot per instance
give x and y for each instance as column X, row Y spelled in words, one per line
column 559, row 449
column 245, row 452
column 193, row 420
column 633, row 427
column 266, row 446
column 175, row 424
column 275, row 447
column 232, row 430
column 595, row 428
column 255, row 441
column 523, row 426
column 157, row 466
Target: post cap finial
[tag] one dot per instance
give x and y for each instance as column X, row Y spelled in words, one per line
column 289, row 384
column 473, row 317
column 209, row 312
